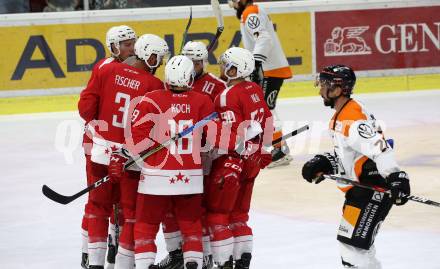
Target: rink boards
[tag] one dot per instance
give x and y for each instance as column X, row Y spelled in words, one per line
column 56, row 51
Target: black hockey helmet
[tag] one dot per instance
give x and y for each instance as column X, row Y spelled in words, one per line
column 338, row 75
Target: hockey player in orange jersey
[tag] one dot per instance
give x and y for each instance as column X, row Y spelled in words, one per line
column 271, row 66
column 120, row 43
column 361, row 153
column 106, row 102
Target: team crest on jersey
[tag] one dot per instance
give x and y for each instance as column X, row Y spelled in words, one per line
column 366, row 131
column 253, row 22
column 179, row 178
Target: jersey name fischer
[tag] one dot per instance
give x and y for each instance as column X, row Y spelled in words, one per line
column 180, row 108
column 127, row 82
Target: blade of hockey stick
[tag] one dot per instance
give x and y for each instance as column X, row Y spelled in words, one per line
column 185, row 34
column 380, row 189
column 63, row 199
column 289, row 135
column 220, row 23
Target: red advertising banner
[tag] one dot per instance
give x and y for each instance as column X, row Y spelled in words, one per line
column 376, row 39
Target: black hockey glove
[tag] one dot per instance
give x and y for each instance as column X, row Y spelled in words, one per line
column 257, row 75
column 325, row 164
column 398, row 183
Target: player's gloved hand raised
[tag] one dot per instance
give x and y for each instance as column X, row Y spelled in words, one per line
column 116, row 166
column 226, row 175
column 252, row 152
column 257, row 75
column 398, row 183
column 320, row 164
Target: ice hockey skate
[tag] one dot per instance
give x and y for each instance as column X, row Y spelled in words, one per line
column 174, row 260
column 280, row 156
column 208, row 263
column 191, row 265
column 85, row 260
column 244, row 262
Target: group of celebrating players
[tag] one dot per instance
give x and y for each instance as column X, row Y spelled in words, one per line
column 129, row 111
column 199, row 186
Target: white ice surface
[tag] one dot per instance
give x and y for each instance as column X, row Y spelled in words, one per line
column 38, row 233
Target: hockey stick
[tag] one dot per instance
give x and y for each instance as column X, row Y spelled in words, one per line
column 289, row 135
column 185, row 34
column 62, row 199
column 380, row 189
column 220, row 23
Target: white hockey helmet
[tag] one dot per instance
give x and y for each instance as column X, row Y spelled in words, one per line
column 149, row 44
column 179, row 72
column 195, row 50
column 117, row 34
column 241, row 59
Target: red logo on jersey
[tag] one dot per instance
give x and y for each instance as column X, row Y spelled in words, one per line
column 179, row 177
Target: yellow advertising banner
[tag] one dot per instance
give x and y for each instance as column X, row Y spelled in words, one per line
column 60, row 56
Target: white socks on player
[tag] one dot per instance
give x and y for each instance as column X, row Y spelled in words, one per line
column 97, row 253
column 173, row 240
column 193, row 256
column 124, row 259
column 144, row 260
column 222, row 250
column 278, row 125
column 360, row 258
column 242, row 244
column 85, row 241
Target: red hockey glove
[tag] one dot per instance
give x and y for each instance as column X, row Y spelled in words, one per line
column 255, row 154
column 227, row 173
column 116, row 166
column 265, row 159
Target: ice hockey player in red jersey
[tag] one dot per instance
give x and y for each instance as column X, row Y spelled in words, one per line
column 172, row 178
column 204, row 82
column 106, row 101
column 120, row 42
column 271, row 65
column 208, row 84
column 245, row 114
